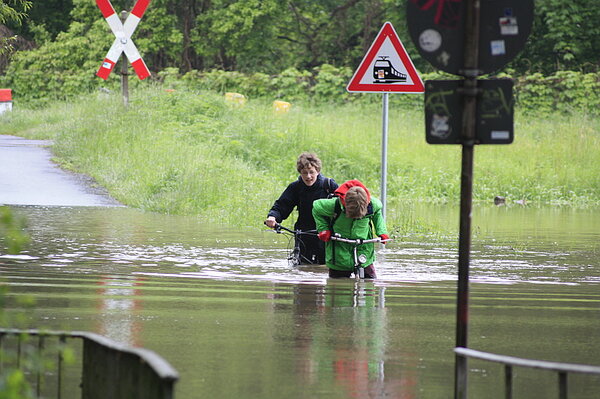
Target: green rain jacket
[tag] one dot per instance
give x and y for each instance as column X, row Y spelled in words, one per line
column 339, row 255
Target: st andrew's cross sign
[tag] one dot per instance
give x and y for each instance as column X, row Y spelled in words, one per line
column 123, row 42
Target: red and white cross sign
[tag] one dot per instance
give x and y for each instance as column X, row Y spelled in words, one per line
column 123, row 42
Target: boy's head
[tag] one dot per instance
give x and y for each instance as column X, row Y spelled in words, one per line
column 308, row 160
column 356, row 202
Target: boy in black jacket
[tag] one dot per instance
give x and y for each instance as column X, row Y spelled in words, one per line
column 310, row 186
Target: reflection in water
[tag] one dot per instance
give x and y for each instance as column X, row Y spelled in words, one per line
column 119, row 304
column 223, row 306
column 341, row 330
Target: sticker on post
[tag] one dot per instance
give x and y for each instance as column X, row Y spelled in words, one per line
column 508, row 26
column 500, row 135
column 440, row 127
column 498, row 47
column 430, row 40
column 443, row 58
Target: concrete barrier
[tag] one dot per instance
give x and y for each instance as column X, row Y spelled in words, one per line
column 5, row 100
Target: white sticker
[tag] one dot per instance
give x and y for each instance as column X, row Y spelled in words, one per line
column 443, row 58
column 497, row 47
column 500, row 135
column 508, row 26
column 440, row 127
column 430, row 40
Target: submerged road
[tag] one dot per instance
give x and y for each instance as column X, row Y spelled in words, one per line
column 29, row 177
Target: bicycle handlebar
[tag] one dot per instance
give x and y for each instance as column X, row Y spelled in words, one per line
column 278, row 227
column 358, row 241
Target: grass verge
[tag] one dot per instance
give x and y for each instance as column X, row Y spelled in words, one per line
column 192, row 153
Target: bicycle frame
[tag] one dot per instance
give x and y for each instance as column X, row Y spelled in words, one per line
column 295, row 257
column 359, row 272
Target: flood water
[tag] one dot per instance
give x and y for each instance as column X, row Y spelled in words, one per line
column 225, row 309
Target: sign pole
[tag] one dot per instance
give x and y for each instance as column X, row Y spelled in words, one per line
column 384, row 141
column 386, row 68
column 124, row 72
column 457, row 112
column 471, row 56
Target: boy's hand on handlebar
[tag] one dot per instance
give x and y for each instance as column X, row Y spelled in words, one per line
column 384, row 238
column 271, row 222
column 325, row 235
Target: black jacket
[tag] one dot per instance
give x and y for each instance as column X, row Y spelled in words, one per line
column 299, row 195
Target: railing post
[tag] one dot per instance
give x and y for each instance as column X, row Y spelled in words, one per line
column 562, row 385
column 108, row 369
column 38, row 373
column 63, row 342
column 1, row 352
column 19, row 351
column 508, row 381
column 563, row 369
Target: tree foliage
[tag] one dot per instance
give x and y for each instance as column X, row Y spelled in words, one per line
column 269, row 37
column 565, row 36
column 12, row 12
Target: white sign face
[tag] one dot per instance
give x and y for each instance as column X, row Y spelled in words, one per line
column 387, row 67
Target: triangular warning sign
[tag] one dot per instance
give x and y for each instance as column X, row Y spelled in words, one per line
column 386, row 67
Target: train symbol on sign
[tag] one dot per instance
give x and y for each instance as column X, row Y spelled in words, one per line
column 384, row 71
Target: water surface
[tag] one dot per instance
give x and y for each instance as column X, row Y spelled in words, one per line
column 225, row 309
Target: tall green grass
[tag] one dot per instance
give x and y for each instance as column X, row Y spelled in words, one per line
column 192, row 153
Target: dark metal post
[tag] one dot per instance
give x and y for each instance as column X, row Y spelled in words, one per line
column 470, row 72
column 61, row 350
column 508, row 379
column 124, row 72
column 19, row 340
column 1, row 352
column 562, row 385
column 38, row 373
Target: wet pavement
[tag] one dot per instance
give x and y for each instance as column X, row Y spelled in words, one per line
column 29, row 177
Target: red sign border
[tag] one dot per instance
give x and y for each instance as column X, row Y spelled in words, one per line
column 387, row 31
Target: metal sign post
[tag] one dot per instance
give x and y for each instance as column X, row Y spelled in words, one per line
column 468, row 38
column 386, row 68
column 384, row 142
column 470, row 72
column 124, row 72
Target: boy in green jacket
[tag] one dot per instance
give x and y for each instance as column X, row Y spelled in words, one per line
column 353, row 214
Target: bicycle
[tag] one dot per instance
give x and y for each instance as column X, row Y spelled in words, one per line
column 359, row 260
column 295, row 256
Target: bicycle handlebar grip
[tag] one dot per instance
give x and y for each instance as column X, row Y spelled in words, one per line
column 324, row 235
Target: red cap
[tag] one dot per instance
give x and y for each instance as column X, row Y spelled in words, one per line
column 343, row 189
column 5, row 95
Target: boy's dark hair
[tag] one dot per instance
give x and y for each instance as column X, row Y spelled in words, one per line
column 308, row 159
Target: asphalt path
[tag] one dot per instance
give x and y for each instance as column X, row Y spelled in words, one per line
column 29, row 177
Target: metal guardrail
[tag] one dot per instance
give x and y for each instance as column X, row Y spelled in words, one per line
column 108, row 369
column 563, row 369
